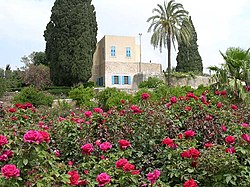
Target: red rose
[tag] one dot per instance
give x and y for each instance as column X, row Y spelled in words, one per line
column 105, row 146
column 152, row 177
column 122, row 101
column 208, row 145
column 194, row 153
column 230, row 150
column 33, row 136
column 10, row 170
column 135, row 172
column 189, row 133
column 88, row 114
column 145, row 96
column 223, row 92
column 186, row 154
column 87, row 149
column 82, row 182
column 57, row 153
column 124, row 144
column 234, row 107
column 128, row 167
column 135, row 109
column 167, row 141
column 27, row 105
column 12, row 110
column 173, row 99
column 98, row 110
column 103, row 179
column 3, row 140
column 190, row 183
column 230, row 140
column 217, row 92
column 188, row 108
column 46, row 136
column 121, row 162
column 74, row 177
column 219, row 105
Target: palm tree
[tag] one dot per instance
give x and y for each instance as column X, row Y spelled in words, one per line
column 235, row 73
column 167, row 28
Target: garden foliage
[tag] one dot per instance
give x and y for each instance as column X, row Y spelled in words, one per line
column 188, row 140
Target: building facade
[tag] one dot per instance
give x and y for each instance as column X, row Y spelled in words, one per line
column 116, row 63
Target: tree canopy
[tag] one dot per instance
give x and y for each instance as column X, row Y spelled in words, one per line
column 71, row 40
column 166, row 26
column 188, row 57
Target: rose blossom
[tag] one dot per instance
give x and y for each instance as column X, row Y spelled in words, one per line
column 12, row 110
column 128, row 167
column 33, row 136
column 135, row 109
column 189, row 133
column 45, row 135
column 234, row 107
column 230, row 140
column 208, row 145
column 219, row 105
column 246, row 137
column 6, row 155
column 10, row 170
column 57, row 153
column 230, row 150
column 152, row 177
column 124, row 144
column 87, row 149
column 98, row 110
column 74, row 177
column 190, row 183
column 244, row 125
column 103, row 179
column 173, row 99
column 88, row 114
column 105, row 146
column 167, row 141
column 145, row 96
column 135, row 172
column 121, row 162
column 3, row 140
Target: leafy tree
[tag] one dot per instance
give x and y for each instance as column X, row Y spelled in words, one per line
column 70, row 41
column 35, row 58
column 166, row 26
column 188, row 58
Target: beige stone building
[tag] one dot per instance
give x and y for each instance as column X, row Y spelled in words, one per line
column 116, row 63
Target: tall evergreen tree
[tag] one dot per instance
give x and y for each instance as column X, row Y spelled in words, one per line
column 71, row 41
column 188, row 57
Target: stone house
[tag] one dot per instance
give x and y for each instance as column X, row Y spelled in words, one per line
column 116, row 63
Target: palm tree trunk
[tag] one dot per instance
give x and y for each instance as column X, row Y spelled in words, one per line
column 169, row 59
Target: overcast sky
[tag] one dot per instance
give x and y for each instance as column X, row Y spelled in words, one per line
column 219, row 24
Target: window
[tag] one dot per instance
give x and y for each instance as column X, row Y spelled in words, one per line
column 115, row 79
column 126, row 80
column 100, row 81
column 113, row 51
column 128, row 52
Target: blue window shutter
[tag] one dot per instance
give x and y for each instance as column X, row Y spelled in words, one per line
column 129, row 80
column 101, row 81
column 113, row 79
column 122, row 80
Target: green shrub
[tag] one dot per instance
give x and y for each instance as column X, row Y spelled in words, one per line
column 137, row 97
column 83, row 96
column 58, row 90
column 111, row 97
column 3, row 87
column 152, row 82
column 32, row 95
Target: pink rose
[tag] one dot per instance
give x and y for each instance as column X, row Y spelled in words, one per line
column 189, row 133
column 208, row 145
column 145, row 96
column 135, row 172
column 194, row 153
column 219, row 105
column 121, row 162
column 33, row 136
column 244, row 125
column 135, row 109
column 223, row 128
column 103, row 179
column 230, row 150
column 88, row 114
column 3, row 140
column 152, row 177
column 190, row 183
column 234, row 107
column 105, row 146
column 246, row 137
column 9, row 171
column 98, row 110
column 124, row 144
column 87, row 149
column 45, row 135
column 57, row 153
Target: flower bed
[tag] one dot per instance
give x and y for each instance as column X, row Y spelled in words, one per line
column 188, row 141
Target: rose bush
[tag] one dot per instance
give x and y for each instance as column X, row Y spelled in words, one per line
column 181, row 140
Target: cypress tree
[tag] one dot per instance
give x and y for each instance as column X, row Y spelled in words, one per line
column 71, row 40
column 188, row 57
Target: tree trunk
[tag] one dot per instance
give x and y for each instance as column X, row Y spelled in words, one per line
column 169, row 59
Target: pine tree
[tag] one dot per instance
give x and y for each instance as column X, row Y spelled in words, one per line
column 188, row 57
column 71, row 41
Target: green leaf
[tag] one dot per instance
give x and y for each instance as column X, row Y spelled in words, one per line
column 25, row 162
column 190, row 170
